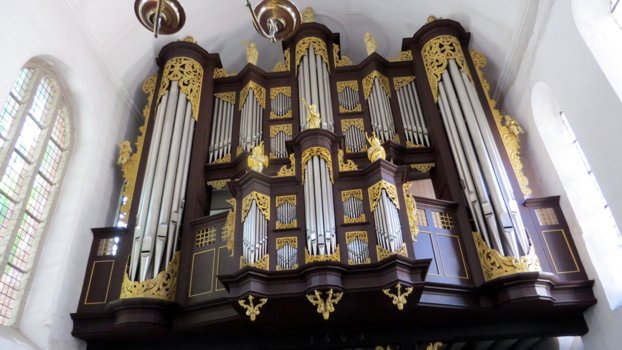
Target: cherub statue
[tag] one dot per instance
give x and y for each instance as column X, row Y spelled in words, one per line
column 257, row 160
column 313, row 116
column 252, row 55
column 370, row 43
column 375, row 151
column 513, row 126
column 308, row 15
column 125, row 152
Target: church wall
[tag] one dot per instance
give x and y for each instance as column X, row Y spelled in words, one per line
column 560, row 58
column 48, row 30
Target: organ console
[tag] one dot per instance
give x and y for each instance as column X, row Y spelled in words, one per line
column 439, row 221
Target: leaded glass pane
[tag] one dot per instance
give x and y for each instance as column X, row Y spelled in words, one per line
column 42, row 102
column 7, row 116
column 6, row 211
column 50, row 164
column 21, row 84
column 59, row 131
column 22, row 247
column 14, row 175
column 39, row 196
column 28, row 138
column 10, row 283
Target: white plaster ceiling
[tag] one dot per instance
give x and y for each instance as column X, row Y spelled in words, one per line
column 128, row 51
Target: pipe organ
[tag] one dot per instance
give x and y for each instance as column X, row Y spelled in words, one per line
column 322, row 230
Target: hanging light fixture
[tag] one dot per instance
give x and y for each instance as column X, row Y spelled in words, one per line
column 160, row 16
column 275, row 19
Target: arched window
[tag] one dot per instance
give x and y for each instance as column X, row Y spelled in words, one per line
column 616, row 11
column 34, row 144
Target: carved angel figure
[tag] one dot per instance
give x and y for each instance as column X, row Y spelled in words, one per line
column 257, row 160
column 370, row 43
column 308, row 15
column 252, row 55
column 125, row 152
column 375, row 151
column 313, row 116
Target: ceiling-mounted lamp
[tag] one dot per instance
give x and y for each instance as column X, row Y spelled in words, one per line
column 275, row 19
column 160, row 16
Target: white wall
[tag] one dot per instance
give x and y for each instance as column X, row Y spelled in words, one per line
column 46, row 29
column 559, row 57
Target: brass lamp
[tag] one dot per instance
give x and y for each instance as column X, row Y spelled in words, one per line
column 275, row 19
column 160, row 16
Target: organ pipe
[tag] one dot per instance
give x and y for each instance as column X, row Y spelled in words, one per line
column 388, row 228
column 319, row 208
column 222, row 123
column 314, row 87
column 415, row 128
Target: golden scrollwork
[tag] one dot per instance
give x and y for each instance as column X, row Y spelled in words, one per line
column 423, row 167
column 163, row 286
column 263, row 203
column 221, row 73
column 398, row 299
column 347, row 123
column 283, row 241
column 509, row 134
column 230, row 225
column 260, row 94
column 285, row 171
column 284, row 128
column 320, row 152
column 410, row 144
column 319, row 46
column 224, row 159
column 262, row 264
column 375, row 192
column 336, row 256
column 125, row 151
column 411, row 211
column 327, row 306
column 129, row 168
column 358, row 194
column 252, row 310
column 495, row 265
column 384, row 253
column 280, row 200
column 226, row 96
column 218, row 184
column 189, row 75
column 436, row 345
column 352, row 84
column 285, row 90
column 400, row 82
column 403, row 56
column 368, row 83
column 283, row 66
column 352, row 235
column 436, row 54
column 344, row 165
column 340, row 60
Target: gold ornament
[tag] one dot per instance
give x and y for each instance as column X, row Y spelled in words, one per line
column 259, row 91
column 221, row 73
column 398, row 299
column 163, row 286
column 230, row 225
column 262, row 264
column 252, row 55
column 370, row 43
column 436, row 54
column 400, row 82
column 495, row 265
column 257, row 160
column 313, row 116
column 385, row 254
column 368, row 83
column 280, row 200
column 320, row 152
column 224, row 159
column 226, row 96
column 218, row 184
column 375, row 192
column 319, row 47
column 358, row 194
column 189, row 75
column 340, row 60
column 125, row 151
column 252, row 310
column 437, row 345
column 403, row 56
column 336, row 256
column 376, row 151
column 308, row 15
column 263, row 203
column 283, row 66
column 291, row 171
column 348, row 165
column 325, row 307
column 411, row 211
column 423, row 167
column 274, row 92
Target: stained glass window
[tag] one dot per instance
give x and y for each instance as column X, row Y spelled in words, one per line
column 34, row 142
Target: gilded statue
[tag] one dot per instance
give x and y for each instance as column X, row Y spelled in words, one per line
column 375, row 151
column 370, row 43
column 313, row 116
column 252, row 55
column 257, row 160
column 308, row 15
column 125, row 151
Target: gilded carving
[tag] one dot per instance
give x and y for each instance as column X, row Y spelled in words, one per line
column 130, row 167
column 308, row 15
column 283, row 66
column 436, row 54
column 352, row 84
column 423, row 167
column 352, row 235
column 321, row 258
column 340, row 60
column 258, row 90
column 319, row 46
column 221, row 73
column 280, row 200
column 376, row 151
column 344, row 165
column 400, row 82
column 274, row 92
column 320, row 152
column 510, row 131
column 257, row 160
column 368, row 83
column 252, row 55
column 230, row 225
column 252, row 310
column 262, row 264
column 403, row 56
column 398, row 299
column 285, row 171
column 358, row 194
column 411, row 211
column 284, row 128
column 370, row 43
column 263, row 203
column 375, row 192
column 226, row 96
column 410, row 144
column 495, row 265
column 384, row 254
column 163, row 286
column 189, row 75
column 224, row 159
column 283, row 241
column 218, row 184
column 325, row 306
column 436, row 345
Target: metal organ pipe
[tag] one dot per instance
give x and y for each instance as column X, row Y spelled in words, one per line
column 380, row 111
column 388, row 228
column 222, row 121
column 319, row 208
column 314, row 87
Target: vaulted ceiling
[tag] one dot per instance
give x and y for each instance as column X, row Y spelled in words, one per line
column 499, row 29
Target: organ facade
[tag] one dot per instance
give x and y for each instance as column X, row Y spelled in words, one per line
column 393, row 210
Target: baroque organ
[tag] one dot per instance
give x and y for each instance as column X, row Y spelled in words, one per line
column 393, row 209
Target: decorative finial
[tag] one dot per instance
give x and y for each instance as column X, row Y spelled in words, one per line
column 370, row 43
column 308, row 15
column 431, row 19
column 257, row 160
column 313, row 116
column 125, row 151
column 190, row 39
column 252, row 55
column 375, row 151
